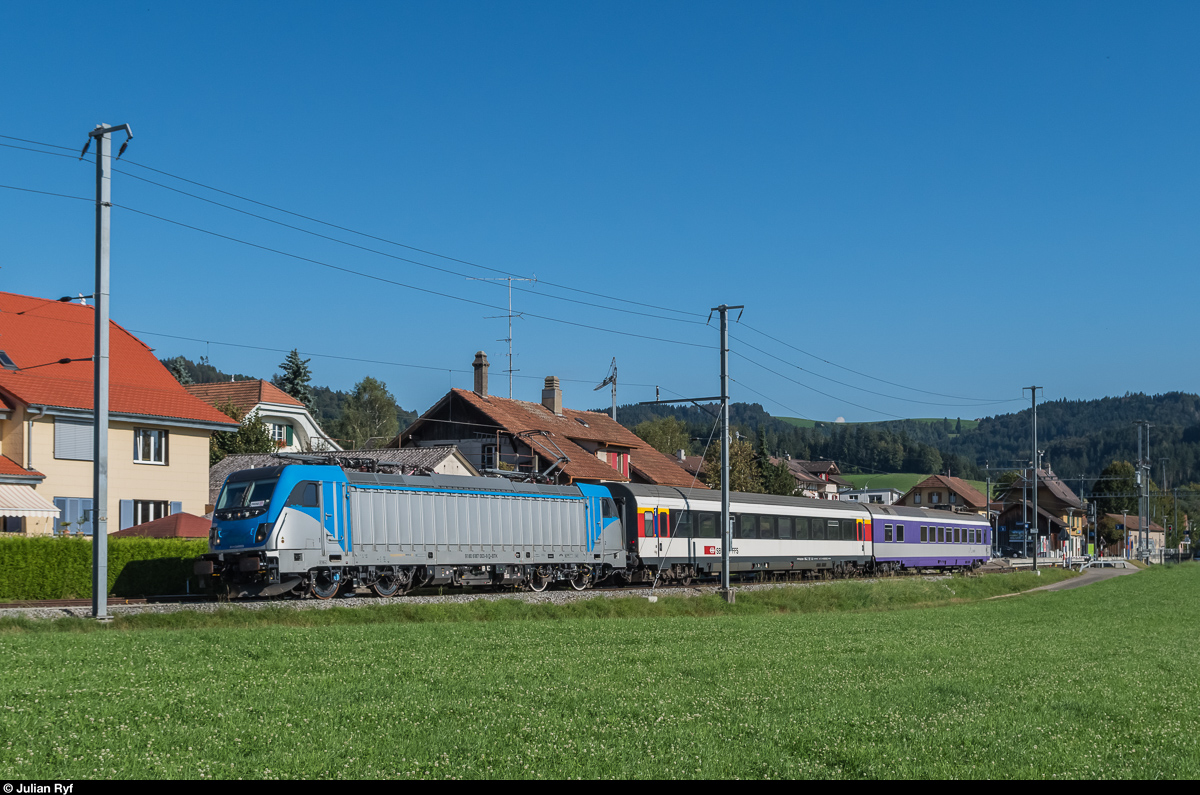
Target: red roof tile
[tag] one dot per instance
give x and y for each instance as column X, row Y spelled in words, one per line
column 177, row 525
column 243, row 394
column 34, row 331
column 12, row 468
column 520, row 416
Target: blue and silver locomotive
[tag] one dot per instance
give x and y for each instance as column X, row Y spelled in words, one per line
column 315, row 528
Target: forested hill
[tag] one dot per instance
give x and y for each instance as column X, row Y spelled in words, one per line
column 1079, row 437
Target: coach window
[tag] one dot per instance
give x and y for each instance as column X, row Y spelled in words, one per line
column 924, row 533
column 970, row 535
column 708, row 525
column 887, row 532
column 833, row 530
column 681, row 523
column 940, row 536
column 766, row 527
column 802, row 532
column 748, row 524
column 848, row 531
column 785, row 526
column 900, row 533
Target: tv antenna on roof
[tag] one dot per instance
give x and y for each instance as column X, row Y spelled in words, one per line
column 611, row 379
column 510, row 316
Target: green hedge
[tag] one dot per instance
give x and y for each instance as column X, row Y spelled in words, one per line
column 61, row 568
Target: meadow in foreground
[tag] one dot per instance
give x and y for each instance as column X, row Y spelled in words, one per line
column 1080, row 683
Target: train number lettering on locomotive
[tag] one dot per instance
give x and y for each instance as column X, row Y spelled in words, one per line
column 481, row 556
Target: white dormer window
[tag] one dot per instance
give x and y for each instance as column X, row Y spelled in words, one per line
column 281, row 433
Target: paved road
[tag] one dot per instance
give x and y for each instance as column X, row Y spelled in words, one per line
column 1087, row 578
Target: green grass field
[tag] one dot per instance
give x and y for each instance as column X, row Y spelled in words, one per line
column 900, row 480
column 1091, row 682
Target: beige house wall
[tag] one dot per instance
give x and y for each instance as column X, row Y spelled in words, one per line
column 12, row 436
column 184, row 479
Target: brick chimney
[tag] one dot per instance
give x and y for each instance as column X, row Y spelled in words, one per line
column 552, row 395
column 481, row 368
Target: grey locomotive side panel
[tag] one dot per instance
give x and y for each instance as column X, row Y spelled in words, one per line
column 402, row 527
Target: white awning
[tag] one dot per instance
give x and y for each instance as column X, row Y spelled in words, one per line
column 24, row 501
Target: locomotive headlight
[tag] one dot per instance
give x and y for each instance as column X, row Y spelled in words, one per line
column 214, row 536
column 264, row 529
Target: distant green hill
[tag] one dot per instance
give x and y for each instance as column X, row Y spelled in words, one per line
column 899, row 480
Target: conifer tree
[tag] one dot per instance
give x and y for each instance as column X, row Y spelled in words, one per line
column 295, row 378
column 179, row 369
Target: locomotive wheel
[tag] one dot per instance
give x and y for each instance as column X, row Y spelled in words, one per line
column 537, row 582
column 322, row 585
column 387, row 585
column 582, row 579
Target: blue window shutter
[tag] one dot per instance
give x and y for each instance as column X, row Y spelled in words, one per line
column 288, row 432
column 61, row 504
column 126, row 514
column 176, row 507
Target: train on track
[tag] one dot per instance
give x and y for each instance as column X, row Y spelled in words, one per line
column 319, row 528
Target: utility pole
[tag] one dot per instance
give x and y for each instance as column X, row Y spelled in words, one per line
column 101, row 135
column 726, row 528
column 510, row 316
column 1033, row 390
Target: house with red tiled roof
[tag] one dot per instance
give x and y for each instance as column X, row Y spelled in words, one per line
column 944, row 491
column 158, row 433
column 543, row 440
column 291, row 424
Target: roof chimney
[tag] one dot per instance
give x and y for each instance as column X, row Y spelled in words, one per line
column 552, row 395
column 681, row 455
column 481, row 368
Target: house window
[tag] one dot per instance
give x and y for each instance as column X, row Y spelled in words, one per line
column 917, row 498
column 149, row 510
column 279, row 432
column 150, row 446
column 73, row 439
column 488, row 458
column 953, row 498
column 934, row 497
column 876, row 498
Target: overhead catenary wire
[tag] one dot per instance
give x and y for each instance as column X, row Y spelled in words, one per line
column 814, row 389
column 864, row 389
column 856, row 372
column 655, row 307
column 975, row 402
column 386, row 280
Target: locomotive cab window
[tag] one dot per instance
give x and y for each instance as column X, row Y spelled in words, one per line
column 304, row 495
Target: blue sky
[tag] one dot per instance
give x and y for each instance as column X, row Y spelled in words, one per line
column 956, row 198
